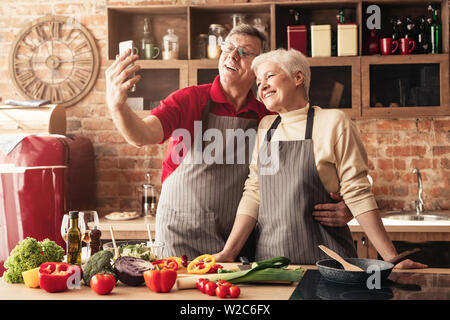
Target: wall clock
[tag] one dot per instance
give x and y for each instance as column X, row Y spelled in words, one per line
column 54, row 59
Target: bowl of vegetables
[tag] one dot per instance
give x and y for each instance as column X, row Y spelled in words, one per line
column 141, row 249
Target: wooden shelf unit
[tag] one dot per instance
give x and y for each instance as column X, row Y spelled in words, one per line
column 125, row 23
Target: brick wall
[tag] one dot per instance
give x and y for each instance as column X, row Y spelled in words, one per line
column 394, row 146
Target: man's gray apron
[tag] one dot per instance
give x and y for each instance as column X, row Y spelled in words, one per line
column 288, row 196
column 198, row 202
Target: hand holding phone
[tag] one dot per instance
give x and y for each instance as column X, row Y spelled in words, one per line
column 123, row 47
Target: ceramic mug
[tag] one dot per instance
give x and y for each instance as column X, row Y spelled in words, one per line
column 151, row 51
column 386, row 46
column 407, row 45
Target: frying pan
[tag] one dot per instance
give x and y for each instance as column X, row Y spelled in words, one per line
column 333, row 271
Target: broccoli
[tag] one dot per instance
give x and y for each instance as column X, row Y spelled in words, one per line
column 98, row 263
column 29, row 254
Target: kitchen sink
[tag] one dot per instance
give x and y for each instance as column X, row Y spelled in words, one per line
column 413, row 216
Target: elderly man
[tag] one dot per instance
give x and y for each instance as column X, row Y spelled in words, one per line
column 198, row 201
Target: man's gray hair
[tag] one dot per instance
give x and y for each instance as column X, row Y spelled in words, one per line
column 291, row 61
column 248, row 30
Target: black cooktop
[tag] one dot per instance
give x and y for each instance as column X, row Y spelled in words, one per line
column 399, row 286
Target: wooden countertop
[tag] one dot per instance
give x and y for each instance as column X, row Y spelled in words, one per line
column 136, row 229
column 122, row 292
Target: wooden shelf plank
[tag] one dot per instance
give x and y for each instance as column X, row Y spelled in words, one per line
column 405, row 59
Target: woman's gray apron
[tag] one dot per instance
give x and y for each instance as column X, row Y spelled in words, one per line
column 198, row 202
column 288, row 196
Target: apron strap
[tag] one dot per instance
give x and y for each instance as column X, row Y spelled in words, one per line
column 309, row 124
column 205, row 115
column 272, row 128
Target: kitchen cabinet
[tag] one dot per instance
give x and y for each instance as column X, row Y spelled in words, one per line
column 434, row 242
column 363, row 86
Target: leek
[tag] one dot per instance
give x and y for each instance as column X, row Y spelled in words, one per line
column 267, row 270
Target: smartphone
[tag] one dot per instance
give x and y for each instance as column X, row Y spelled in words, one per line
column 123, row 47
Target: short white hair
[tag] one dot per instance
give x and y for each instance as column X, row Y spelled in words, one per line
column 291, row 61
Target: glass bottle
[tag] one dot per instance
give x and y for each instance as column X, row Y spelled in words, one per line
column 410, row 28
column 295, row 17
column 170, row 45
column 435, row 30
column 73, row 240
column 146, row 41
column 395, row 34
column 423, row 39
column 340, row 16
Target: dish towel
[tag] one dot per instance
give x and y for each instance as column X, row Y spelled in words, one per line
column 9, row 141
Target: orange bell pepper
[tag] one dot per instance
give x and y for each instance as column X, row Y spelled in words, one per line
column 160, row 280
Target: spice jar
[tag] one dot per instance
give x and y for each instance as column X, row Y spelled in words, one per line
column 216, row 36
column 170, row 45
column 201, row 45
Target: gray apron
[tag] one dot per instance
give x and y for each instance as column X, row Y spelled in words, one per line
column 198, row 201
column 286, row 226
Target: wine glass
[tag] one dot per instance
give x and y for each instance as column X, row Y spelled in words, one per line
column 65, row 225
column 90, row 221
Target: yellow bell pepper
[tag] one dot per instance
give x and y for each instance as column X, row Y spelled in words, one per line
column 31, row 278
column 202, row 264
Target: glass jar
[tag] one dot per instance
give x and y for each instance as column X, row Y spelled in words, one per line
column 201, row 46
column 238, row 18
column 170, row 45
column 216, row 36
column 258, row 24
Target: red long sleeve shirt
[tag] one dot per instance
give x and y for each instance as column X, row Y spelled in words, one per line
column 181, row 108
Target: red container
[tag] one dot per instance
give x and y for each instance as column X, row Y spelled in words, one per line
column 297, row 38
column 46, row 177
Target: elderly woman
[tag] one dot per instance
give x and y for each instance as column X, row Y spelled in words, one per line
column 301, row 155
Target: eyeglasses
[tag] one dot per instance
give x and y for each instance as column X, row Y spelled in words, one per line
column 228, row 47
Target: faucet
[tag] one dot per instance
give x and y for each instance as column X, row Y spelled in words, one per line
column 419, row 203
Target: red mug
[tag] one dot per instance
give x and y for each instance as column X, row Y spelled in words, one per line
column 407, row 45
column 386, row 46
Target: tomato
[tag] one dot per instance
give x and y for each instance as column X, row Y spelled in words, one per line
column 103, row 283
column 210, row 288
column 234, row 291
column 198, row 283
column 202, row 285
column 223, row 283
column 222, row 291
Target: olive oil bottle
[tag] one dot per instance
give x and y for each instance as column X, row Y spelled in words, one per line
column 73, row 243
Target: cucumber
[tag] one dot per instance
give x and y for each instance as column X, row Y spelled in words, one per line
column 277, row 262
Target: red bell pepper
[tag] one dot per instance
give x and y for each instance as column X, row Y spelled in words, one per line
column 54, row 276
column 214, row 268
column 160, row 280
column 166, row 264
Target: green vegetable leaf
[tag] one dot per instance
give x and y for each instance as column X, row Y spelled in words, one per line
column 29, row 254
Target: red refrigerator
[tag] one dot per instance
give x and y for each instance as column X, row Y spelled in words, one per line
column 41, row 179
